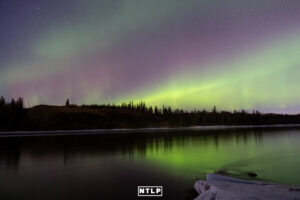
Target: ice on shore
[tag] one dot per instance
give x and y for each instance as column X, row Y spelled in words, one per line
column 218, row 187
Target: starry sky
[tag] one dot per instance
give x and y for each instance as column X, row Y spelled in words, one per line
column 186, row 54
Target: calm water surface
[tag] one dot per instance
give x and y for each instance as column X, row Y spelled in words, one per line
column 112, row 166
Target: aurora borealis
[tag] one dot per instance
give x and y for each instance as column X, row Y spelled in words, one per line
column 187, row 54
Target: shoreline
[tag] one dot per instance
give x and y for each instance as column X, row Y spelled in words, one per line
column 137, row 130
column 219, row 187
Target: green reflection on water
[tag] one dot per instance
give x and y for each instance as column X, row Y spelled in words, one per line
column 274, row 155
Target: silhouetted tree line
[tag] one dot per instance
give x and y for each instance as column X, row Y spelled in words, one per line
column 179, row 117
column 13, row 116
column 11, row 112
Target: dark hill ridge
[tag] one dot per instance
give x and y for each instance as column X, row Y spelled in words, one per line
column 13, row 117
column 82, row 117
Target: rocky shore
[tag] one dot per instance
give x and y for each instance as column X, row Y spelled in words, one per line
column 219, row 187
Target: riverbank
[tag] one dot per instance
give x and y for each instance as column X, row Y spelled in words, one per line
column 218, row 187
column 139, row 130
column 94, row 117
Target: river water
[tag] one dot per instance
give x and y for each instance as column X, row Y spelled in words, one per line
column 112, row 165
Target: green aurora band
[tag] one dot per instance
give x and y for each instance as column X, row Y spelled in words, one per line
column 184, row 54
column 254, row 80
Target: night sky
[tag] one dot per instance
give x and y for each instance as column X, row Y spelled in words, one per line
column 187, row 54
